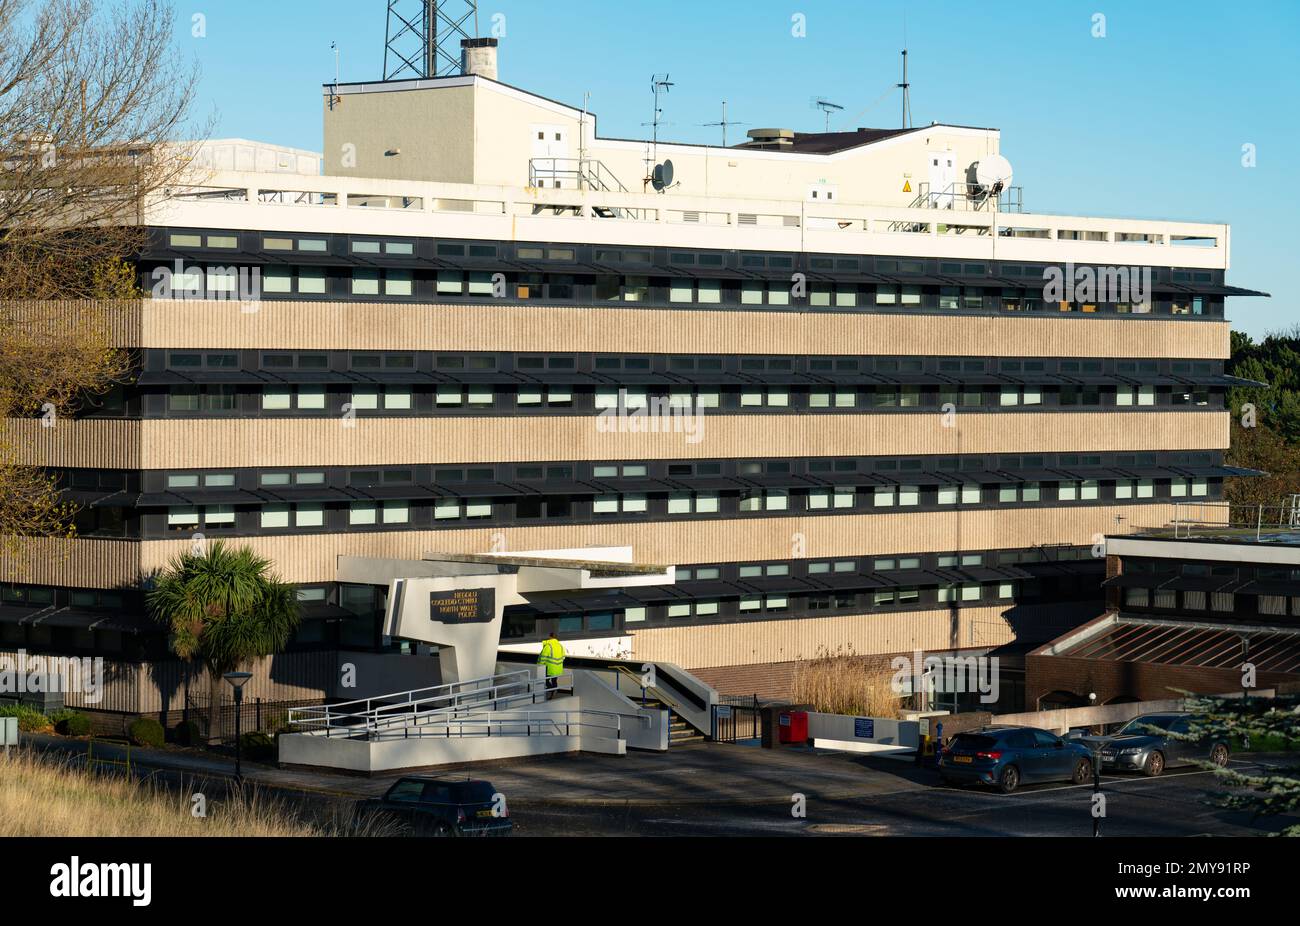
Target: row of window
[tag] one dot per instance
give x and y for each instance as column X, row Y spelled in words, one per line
column 484, row 397
column 1220, row 602
column 451, row 363
column 225, row 282
column 311, row 515
column 963, row 469
column 644, row 257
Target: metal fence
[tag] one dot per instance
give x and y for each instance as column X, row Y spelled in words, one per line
column 254, row 714
column 735, row 717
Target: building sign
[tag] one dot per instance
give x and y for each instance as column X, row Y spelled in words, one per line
column 463, row 606
column 864, row 728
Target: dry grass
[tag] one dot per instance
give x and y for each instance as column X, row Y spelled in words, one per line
column 844, row 683
column 44, row 795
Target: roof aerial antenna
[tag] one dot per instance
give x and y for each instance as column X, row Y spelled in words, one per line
column 724, row 123
column 334, row 90
column 658, row 84
column 827, row 107
column 907, row 97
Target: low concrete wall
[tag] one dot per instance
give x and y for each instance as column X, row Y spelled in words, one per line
column 1060, row 721
column 843, row 728
column 357, row 755
column 391, row 755
column 593, row 687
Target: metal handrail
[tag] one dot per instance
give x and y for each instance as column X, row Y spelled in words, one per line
column 448, row 685
column 654, row 690
column 332, row 716
column 369, row 722
column 1208, row 519
column 969, row 197
column 534, row 688
column 535, row 723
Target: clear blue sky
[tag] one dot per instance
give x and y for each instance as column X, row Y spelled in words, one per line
column 1148, row 121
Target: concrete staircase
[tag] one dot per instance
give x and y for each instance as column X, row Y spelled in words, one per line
column 680, row 733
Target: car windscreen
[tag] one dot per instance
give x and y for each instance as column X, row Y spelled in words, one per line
column 1141, row 725
column 972, row 742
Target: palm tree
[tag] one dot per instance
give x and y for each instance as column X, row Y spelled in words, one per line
column 222, row 608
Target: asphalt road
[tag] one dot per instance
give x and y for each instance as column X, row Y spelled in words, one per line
column 1175, row 804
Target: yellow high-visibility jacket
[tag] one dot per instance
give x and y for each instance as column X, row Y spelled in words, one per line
column 552, row 656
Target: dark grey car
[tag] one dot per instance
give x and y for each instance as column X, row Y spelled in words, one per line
column 1136, row 747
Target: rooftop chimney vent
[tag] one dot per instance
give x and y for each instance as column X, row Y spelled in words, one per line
column 479, row 56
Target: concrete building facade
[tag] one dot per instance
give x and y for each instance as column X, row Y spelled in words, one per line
column 816, row 376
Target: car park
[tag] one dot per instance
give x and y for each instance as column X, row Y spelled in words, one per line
column 1006, row 757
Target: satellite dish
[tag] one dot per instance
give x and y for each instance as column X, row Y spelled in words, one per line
column 993, row 173
column 663, row 176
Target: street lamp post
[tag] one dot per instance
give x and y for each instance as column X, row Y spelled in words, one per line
column 237, row 681
column 1096, row 778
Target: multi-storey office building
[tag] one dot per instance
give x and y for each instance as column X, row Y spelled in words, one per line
column 469, row 336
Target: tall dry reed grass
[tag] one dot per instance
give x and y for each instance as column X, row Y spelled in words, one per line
column 841, row 682
column 47, row 795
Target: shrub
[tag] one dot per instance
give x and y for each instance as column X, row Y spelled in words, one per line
column 30, row 720
column 188, row 733
column 145, row 731
column 257, row 745
column 71, row 723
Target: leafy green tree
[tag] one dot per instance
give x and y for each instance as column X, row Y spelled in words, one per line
column 1273, row 444
column 1268, row 724
column 222, row 607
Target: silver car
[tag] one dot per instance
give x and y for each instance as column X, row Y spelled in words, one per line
column 1137, row 747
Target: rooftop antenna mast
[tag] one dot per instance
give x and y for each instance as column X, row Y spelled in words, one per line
column 827, row 107
column 334, row 90
column 422, row 38
column 658, row 85
column 907, row 96
column 724, row 123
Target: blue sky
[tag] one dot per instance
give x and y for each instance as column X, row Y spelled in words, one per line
column 1148, row 121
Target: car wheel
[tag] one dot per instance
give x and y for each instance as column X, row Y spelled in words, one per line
column 1219, row 755
column 1082, row 772
column 1155, row 764
column 1009, row 780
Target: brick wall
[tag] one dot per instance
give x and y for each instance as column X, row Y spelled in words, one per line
column 1142, row 681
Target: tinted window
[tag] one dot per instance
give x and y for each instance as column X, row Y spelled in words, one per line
column 408, row 789
column 1019, row 739
column 1139, row 725
column 1044, row 739
column 437, row 793
column 973, row 742
column 473, row 792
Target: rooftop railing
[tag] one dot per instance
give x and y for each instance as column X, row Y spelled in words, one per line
column 1230, row 521
column 346, row 198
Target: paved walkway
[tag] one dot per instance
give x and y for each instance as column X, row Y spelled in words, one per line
column 708, row 773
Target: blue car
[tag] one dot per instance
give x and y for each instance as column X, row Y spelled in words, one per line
column 1004, row 757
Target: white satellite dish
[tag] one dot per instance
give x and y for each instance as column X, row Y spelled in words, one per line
column 993, row 173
